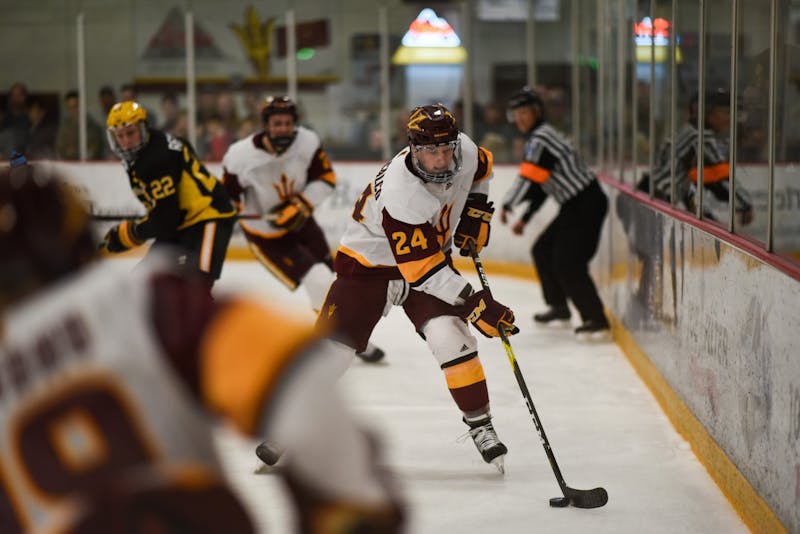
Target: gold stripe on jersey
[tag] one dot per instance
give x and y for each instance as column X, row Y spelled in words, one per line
column 276, row 271
column 207, row 246
column 243, row 357
column 248, row 229
column 533, row 172
column 416, row 271
column 126, row 235
column 464, row 374
column 485, row 164
column 329, row 178
column 196, row 203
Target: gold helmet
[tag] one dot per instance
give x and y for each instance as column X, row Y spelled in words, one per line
column 124, row 114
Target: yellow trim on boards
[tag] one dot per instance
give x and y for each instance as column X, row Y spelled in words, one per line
column 753, row 510
column 755, row 513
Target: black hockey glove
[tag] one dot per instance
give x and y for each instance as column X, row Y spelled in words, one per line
column 121, row 237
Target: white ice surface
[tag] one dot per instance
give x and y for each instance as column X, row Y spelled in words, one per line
column 603, row 424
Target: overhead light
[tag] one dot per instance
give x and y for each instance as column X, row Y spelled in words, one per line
column 430, row 39
column 304, row 54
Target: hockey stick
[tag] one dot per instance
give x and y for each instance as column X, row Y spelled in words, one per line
column 247, row 216
column 593, row 498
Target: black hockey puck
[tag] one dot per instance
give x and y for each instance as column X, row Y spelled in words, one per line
column 559, row 502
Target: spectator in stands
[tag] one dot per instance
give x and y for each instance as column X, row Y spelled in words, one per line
column 495, row 132
column 181, row 128
column 15, row 124
column 106, row 98
column 217, row 138
column 128, row 93
column 67, row 137
column 42, row 139
column 227, row 112
column 169, row 112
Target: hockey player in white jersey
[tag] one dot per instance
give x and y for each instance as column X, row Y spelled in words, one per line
column 108, row 378
column 285, row 172
column 396, row 250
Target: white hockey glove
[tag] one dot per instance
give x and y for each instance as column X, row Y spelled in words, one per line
column 396, row 294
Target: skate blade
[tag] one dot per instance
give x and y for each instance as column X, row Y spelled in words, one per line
column 264, row 469
column 373, row 356
column 594, row 337
column 556, row 324
column 499, row 463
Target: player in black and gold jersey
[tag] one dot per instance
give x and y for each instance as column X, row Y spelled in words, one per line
column 186, row 206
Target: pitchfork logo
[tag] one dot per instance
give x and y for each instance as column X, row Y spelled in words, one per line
column 442, row 226
column 284, row 188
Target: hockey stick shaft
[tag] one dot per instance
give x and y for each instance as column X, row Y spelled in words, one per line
column 581, row 498
column 245, row 216
column 523, row 386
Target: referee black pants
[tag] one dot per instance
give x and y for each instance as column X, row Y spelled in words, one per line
column 563, row 251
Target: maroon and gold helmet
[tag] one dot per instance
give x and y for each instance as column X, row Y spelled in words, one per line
column 429, row 127
column 45, row 230
column 433, row 124
column 274, row 105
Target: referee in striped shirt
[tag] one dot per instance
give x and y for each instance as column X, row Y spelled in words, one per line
column 717, row 123
column 551, row 166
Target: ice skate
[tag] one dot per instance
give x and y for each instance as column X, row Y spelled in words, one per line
column 557, row 316
column 594, row 330
column 488, row 444
column 372, row 354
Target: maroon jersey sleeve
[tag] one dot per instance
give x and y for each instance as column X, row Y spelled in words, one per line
column 415, row 247
column 232, row 354
column 321, row 169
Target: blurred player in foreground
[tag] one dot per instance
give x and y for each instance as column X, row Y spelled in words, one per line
column 396, row 250
column 109, row 379
column 187, row 208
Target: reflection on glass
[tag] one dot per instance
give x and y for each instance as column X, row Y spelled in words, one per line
column 716, row 123
column 753, row 88
column 786, row 200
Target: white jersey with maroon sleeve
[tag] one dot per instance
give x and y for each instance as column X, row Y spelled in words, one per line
column 107, row 384
column 402, row 221
column 264, row 180
column 86, row 394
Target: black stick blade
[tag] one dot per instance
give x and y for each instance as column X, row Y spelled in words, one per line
column 593, row 498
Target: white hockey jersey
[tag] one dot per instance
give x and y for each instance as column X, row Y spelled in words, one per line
column 259, row 181
column 402, row 221
column 89, row 395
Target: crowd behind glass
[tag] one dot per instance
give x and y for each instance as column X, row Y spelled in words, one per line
column 617, row 105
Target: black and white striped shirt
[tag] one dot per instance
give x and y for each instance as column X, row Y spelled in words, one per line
column 715, row 168
column 550, row 166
